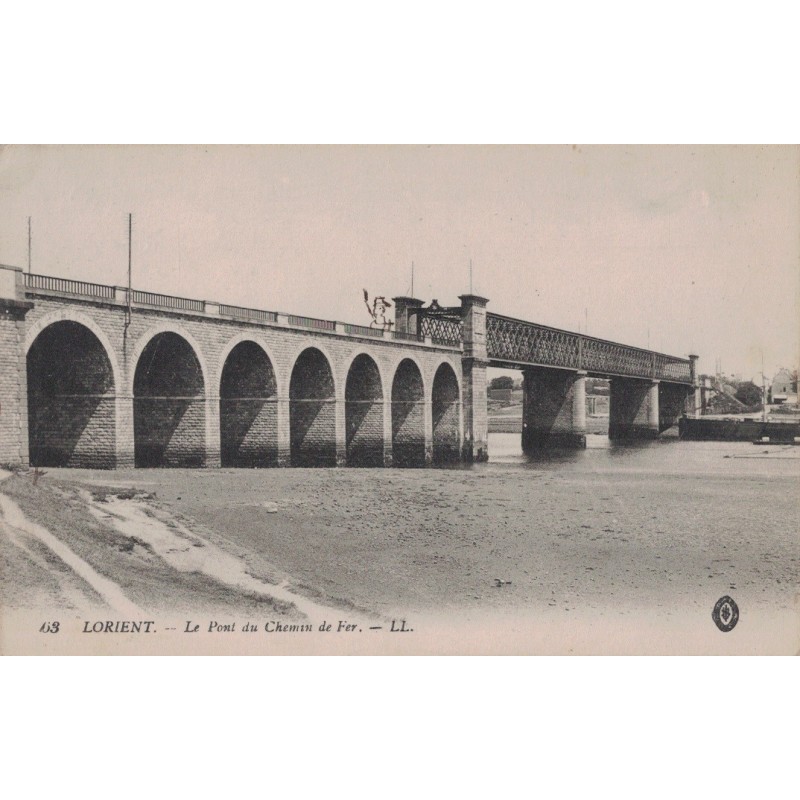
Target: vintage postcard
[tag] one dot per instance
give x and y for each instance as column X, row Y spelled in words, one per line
column 399, row 400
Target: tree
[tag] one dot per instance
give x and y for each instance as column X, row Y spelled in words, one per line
column 748, row 393
column 502, row 382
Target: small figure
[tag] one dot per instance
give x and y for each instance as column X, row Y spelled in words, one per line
column 378, row 312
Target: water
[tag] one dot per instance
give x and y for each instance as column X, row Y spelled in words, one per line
column 667, row 455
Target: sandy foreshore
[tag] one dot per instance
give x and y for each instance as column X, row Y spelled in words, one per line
column 561, row 544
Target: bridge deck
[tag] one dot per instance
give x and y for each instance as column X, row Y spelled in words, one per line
column 517, row 343
column 62, row 287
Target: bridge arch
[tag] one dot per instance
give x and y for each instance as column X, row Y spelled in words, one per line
column 312, row 410
column 70, row 315
column 71, row 394
column 248, row 393
column 364, row 412
column 169, row 388
column 446, row 415
column 144, row 340
column 408, row 415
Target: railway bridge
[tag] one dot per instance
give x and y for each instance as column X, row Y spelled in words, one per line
column 103, row 376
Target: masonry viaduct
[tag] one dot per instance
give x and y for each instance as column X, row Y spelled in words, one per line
column 105, row 377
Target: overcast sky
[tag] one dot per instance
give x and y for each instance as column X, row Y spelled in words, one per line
column 692, row 249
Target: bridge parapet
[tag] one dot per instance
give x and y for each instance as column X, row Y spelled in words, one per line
column 520, row 343
column 51, row 286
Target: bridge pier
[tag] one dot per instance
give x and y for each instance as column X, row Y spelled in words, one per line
column 474, row 363
column 13, row 370
column 553, row 409
column 284, row 434
column 126, row 451
column 633, row 409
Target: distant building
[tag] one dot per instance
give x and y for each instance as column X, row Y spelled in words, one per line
column 784, row 387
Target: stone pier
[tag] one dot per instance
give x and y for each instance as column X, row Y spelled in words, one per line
column 553, row 409
column 473, row 367
column 633, row 409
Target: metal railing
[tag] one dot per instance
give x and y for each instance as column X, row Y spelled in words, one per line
column 68, row 286
column 363, row 330
column 403, row 336
column 247, row 313
column 520, row 342
column 167, row 301
column 311, row 322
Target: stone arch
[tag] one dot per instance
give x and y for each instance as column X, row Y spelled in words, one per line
column 248, row 410
column 445, row 415
column 169, row 390
column 71, row 315
column 312, row 410
column 71, row 396
column 144, row 340
column 408, row 415
column 364, row 412
column 259, row 340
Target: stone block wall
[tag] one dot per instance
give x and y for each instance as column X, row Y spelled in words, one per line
column 201, row 424
column 249, row 432
column 13, row 388
column 72, row 431
column 169, row 432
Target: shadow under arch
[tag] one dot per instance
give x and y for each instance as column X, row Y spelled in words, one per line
column 408, row 416
column 364, row 413
column 71, row 399
column 445, row 416
column 248, row 408
column 169, row 408
column 312, row 411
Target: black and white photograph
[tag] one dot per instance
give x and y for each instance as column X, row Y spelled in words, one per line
column 399, row 399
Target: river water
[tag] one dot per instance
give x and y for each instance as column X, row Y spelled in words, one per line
column 668, row 456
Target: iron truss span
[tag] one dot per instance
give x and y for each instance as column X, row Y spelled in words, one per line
column 519, row 343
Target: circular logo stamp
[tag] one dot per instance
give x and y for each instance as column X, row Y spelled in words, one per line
column 725, row 614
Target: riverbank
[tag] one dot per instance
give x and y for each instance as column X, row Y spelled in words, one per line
column 660, row 531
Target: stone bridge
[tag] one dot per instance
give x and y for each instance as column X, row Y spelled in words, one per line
column 99, row 376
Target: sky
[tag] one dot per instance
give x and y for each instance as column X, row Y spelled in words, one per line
column 682, row 249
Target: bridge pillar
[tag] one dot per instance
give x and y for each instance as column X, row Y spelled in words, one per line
column 672, row 400
column 474, row 362
column 553, row 409
column 125, row 445
column 403, row 310
column 213, row 434
column 428, row 422
column 13, row 368
column 284, row 432
column 388, row 459
column 340, row 430
column 633, row 409
column 694, row 400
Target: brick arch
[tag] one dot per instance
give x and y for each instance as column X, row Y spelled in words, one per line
column 72, row 388
column 248, row 405
column 414, row 360
column 291, row 362
column 171, row 423
column 381, row 371
column 446, row 413
column 408, row 417
column 281, row 382
column 148, row 336
column 68, row 315
column 364, row 397
column 312, row 418
column 433, row 370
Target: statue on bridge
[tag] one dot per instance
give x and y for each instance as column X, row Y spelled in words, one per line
column 378, row 312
